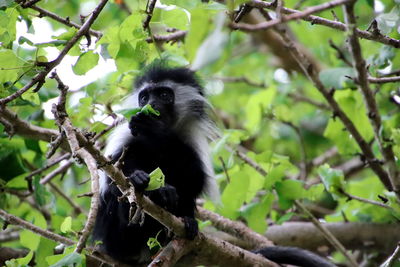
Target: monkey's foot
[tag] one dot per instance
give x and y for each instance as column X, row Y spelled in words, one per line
column 191, row 227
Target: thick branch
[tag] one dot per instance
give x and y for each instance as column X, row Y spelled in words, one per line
column 382, row 237
column 172, row 252
column 24, row 128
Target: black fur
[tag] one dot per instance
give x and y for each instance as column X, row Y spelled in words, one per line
column 293, row 256
column 154, row 144
column 158, row 72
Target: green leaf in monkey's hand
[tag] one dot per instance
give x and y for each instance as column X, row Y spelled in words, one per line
column 147, row 109
column 157, row 180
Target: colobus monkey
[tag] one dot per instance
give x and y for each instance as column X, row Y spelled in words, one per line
column 176, row 141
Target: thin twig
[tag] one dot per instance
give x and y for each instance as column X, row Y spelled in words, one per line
column 11, row 219
column 327, row 234
column 302, row 98
column 365, row 200
column 55, row 144
column 294, row 16
column 393, row 258
column 384, row 79
column 228, row 179
column 242, row 79
column 149, row 11
column 29, row 3
column 173, row 37
column 340, row 53
column 67, row 22
column 329, row 23
column 62, row 169
column 77, row 208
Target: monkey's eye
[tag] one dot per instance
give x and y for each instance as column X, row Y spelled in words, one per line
column 143, row 98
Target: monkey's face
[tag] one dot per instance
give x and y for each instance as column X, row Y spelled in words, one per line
column 161, row 98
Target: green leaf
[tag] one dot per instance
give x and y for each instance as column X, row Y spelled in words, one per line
column 66, row 36
column 29, row 239
column 8, row 20
column 157, row 180
column 10, row 66
column 256, row 106
column 353, row 105
column 371, row 3
column 333, row 180
column 175, row 18
column 234, row 194
column 286, row 217
column 25, row 260
column 336, row 78
column 66, row 225
column 315, row 192
column 256, row 213
column 388, row 21
column 39, row 191
column 153, row 242
column 290, row 189
column 85, row 62
column 70, row 260
column 147, row 109
column 18, row 182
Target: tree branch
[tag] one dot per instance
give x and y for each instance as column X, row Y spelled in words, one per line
column 67, row 22
column 234, row 228
column 293, row 16
column 369, row 98
column 64, row 123
column 172, row 252
column 31, row 227
column 330, row 23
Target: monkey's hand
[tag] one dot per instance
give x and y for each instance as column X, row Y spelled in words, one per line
column 191, row 227
column 140, row 180
column 143, row 124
